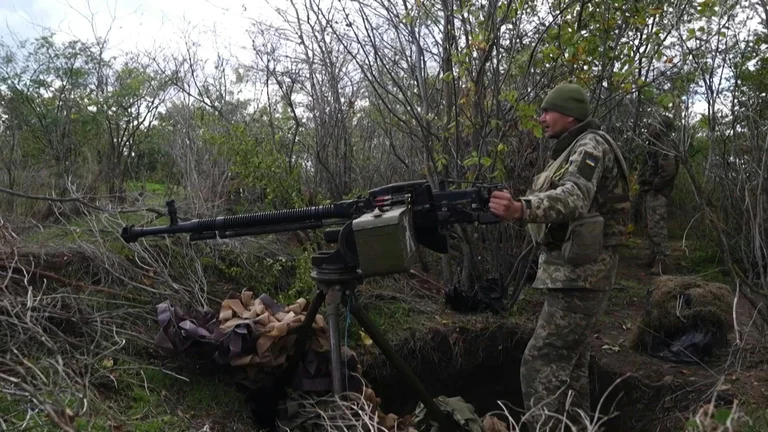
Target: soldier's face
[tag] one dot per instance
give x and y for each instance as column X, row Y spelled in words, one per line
column 555, row 124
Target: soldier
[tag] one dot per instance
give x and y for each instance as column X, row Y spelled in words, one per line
column 578, row 212
column 656, row 186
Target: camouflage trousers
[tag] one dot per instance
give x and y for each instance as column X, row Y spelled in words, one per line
column 656, row 224
column 554, row 375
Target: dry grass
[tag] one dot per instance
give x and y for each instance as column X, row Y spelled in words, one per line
column 346, row 412
column 80, row 336
column 67, row 340
column 681, row 304
column 352, row 412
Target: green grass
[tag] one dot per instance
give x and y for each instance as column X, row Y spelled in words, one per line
column 627, row 290
column 394, row 319
column 157, row 402
column 758, row 419
column 706, row 262
column 749, row 419
column 149, row 187
column 197, row 395
column 530, row 301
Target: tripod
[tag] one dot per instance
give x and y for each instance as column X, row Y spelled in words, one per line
column 337, row 274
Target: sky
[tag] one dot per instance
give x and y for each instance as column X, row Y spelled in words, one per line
column 142, row 24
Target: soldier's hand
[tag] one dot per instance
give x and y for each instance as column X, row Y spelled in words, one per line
column 504, row 206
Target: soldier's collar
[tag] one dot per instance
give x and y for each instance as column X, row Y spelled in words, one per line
column 569, row 137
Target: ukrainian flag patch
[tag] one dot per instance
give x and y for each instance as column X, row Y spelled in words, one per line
column 588, row 165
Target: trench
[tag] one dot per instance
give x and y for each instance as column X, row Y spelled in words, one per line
column 482, row 366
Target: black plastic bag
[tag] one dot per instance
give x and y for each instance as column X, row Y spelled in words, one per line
column 487, row 296
column 697, row 345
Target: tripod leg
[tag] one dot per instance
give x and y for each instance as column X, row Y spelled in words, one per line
column 389, row 352
column 332, row 303
column 304, row 335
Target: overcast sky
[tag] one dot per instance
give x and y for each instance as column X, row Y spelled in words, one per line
column 145, row 23
column 136, row 23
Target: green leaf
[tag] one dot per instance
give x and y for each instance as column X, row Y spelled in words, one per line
column 722, row 415
column 472, row 160
column 665, row 99
column 691, row 425
column 537, row 131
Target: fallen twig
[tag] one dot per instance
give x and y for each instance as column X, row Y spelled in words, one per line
column 81, row 200
column 57, row 278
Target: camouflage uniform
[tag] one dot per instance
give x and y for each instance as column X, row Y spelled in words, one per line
column 656, row 225
column 592, row 179
column 657, row 183
column 556, row 359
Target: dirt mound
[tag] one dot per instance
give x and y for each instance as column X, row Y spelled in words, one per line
column 686, row 320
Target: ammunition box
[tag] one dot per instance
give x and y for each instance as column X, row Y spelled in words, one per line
column 386, row 241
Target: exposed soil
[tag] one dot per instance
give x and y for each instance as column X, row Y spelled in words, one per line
column 478, row 358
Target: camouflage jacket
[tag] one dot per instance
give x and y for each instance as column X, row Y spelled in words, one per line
column 660, row 169
column 590, row 180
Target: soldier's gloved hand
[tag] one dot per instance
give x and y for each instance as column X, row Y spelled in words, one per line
column 504, row 206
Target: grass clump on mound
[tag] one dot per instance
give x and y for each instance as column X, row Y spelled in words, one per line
column 686, row 319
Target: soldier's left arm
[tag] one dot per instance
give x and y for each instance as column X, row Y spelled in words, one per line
column 576, row 188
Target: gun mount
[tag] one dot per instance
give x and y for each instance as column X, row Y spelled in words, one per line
column 375, row 235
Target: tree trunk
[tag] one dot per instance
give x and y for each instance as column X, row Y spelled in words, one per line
column 449, row 108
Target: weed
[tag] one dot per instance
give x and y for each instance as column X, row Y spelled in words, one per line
column 707, row 263
column 301, row 285
column 530, row 302
column 735, row 418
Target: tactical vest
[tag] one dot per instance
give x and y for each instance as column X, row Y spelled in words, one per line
column 614, row 213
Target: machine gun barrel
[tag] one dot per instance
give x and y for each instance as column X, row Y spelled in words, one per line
column 430, row 209
column 250, row 223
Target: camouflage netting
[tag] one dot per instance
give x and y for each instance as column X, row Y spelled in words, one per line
column 686, row 320
column 257, row 336
column 255, row 333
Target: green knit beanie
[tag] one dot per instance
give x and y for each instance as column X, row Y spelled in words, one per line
column 568, row 99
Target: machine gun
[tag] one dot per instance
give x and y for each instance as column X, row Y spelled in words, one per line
column 378, row 235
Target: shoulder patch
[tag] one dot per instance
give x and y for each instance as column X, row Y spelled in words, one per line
column 588, row 165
